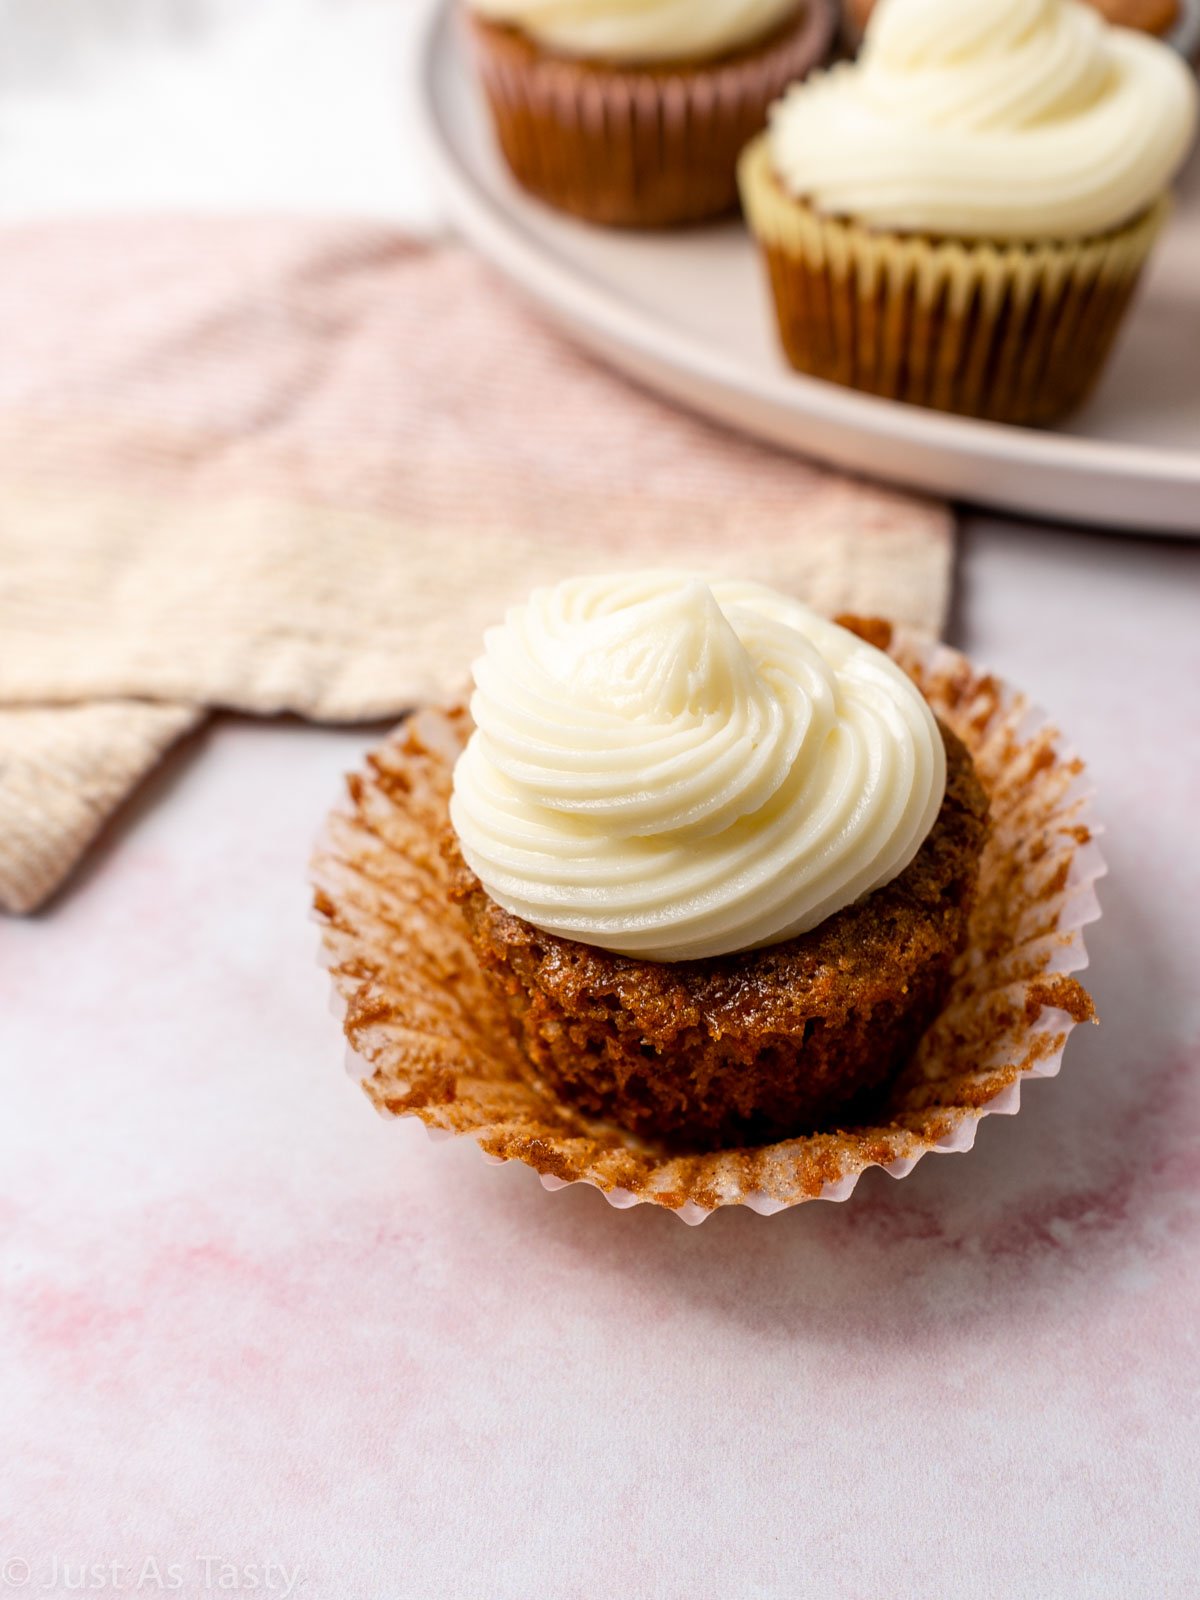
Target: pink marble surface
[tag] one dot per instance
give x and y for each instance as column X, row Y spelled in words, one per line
column 244, row 1321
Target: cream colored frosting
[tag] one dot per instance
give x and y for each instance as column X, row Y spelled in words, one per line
column 1003, row 119
column 640, row 30
column 670, row 768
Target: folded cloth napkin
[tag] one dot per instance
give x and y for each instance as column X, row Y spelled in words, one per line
column 290, row 466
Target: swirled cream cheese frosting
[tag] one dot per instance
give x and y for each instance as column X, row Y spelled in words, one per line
column 646, row 31
column 672, row 769
column 1013, row 120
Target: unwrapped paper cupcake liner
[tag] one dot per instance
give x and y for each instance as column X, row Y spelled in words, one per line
column 637, row 146
column 1016, row 334
column 428, row 1037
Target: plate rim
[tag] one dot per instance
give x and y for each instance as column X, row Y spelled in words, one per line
column 616, row 330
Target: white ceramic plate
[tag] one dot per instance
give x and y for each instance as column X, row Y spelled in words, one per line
column 688, row 314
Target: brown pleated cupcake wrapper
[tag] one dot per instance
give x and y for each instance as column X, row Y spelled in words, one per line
column 429, row 1039
column 637, row 147
column 1016, row 334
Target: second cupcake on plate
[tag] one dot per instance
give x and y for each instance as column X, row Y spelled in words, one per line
column 635, row 114
column 959, row 218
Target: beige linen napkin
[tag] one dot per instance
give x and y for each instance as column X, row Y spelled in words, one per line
column 288, row 466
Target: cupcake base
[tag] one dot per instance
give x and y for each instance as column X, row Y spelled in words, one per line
column 1017, row 334
column 651, row 146
column 741, row 1050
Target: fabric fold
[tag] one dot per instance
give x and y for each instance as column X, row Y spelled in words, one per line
column 287, row 466
column 63, row 772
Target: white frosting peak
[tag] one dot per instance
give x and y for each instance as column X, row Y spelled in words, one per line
column 675, row 769
column 1001, row 119
column 641, row 30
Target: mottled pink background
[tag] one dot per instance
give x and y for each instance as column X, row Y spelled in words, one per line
column 243, row 1318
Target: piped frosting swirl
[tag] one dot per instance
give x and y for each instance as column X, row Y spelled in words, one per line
column 632, row 31
column 1012, row 120
column 675, row 769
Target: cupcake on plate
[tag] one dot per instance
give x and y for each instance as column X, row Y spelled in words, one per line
column 959, row 217
column 719, row 855
column 635, row 114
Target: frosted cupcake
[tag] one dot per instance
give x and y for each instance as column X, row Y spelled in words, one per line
column 635, row 114
column 959, row 218
column 719, row 855
column 407, row 929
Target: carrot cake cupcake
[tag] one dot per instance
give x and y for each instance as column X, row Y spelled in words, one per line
column 959, row 217
column 715, row 852
column 635, row 114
